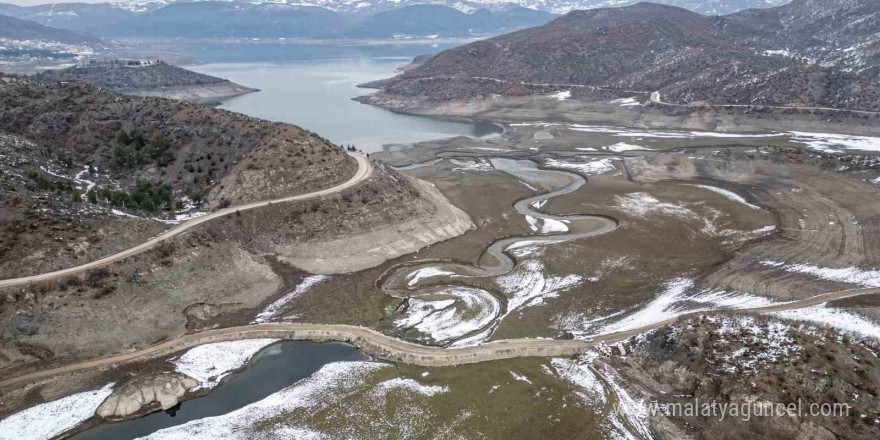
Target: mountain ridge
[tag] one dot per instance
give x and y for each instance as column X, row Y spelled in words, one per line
column 90, row 16
column 760, row 57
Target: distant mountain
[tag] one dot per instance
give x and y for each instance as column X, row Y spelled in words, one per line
column 443, row 21
column 244, row 20
column 90, row 17
column 370, row 7
column 12, row 28
column 75, row 16
column 809, row 53
column 231, row 20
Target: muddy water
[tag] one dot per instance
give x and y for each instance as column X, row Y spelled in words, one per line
column 273, row 368
column 440, row 292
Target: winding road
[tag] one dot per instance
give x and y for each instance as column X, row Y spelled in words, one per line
column 655, row 99
column 369, row 341
column 385, row 347
column 365, row 169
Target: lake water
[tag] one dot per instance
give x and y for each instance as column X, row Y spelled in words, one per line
column 317, row 95
column 272, row 369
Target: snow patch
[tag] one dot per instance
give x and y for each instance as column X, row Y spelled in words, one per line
column 561, row 96
column 851, row 275
column 467, row 310
column 274, row 309
column 425, row 273
column 210, row 363
column 831, row 141
column 410, row 385
column 599, row 385
column 471, row 165
column 730, row 195
column 620, row 147
column 594, row 167
column 643, row 204
column 834, row 317
column 520, row 378
column 51, row 419
column 327, row 386
column 527, row 285
column 675, row 301
column 626, row 102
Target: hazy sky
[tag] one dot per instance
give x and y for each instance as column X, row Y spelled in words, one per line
column 43, row 2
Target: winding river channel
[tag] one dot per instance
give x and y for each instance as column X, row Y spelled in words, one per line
column 440, row 298
column 442, row 303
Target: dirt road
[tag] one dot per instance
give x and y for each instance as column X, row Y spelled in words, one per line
column 384, row 347
column 655, row 99
column 364, row 171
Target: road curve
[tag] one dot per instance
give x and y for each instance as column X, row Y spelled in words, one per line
column 365, row 169
column 384, row 347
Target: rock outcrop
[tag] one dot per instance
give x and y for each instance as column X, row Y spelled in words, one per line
column 164, row 390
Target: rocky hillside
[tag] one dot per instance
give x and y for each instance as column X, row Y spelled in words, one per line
column 747, row 361
column 87, row 173
column 159, row 79
column 807, row 53
column 189, row 147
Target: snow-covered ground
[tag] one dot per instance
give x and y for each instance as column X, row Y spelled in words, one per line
column 598, row 386
column 626, row 102
column 661, row 308
column 460, row 311
column 834, row 142
column 852, row 275
column 50, row 419
column 830, row 142
column 425, row 273
column 730, row 195
column 471, row 165
column 643, row 204
column 327, row 386
column 599, row 166
column 561, row 96
column 775, row 339
column 520, row 378
column 677, row 299
column 620, row 147
column 528, row 285
column 547, row 225
column 413, row 386
column 271, row 311
column 210, row 363
column 837, row 318
column 51, row 46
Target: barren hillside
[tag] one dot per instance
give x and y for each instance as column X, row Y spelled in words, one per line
column 806, row 53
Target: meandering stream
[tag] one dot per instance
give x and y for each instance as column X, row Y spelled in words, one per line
column 443, row 305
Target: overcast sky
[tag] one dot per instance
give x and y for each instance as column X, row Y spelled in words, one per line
column 43, row 2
